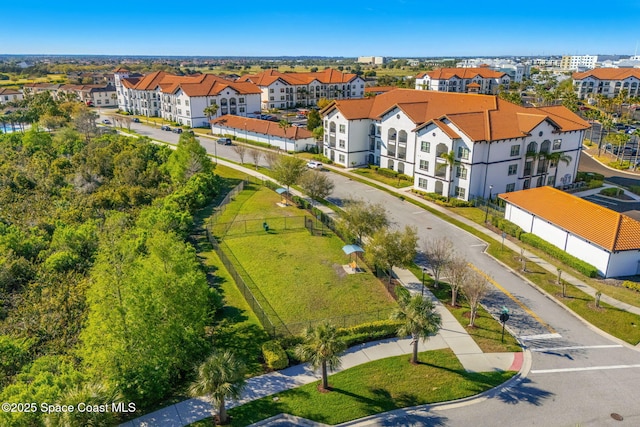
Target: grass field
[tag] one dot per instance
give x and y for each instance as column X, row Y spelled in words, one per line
column 301, row 275
column 371, row 388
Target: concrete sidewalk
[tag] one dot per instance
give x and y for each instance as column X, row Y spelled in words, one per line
column 451, row 335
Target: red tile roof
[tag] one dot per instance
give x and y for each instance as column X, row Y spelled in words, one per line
column 608, row 73
column 193, row 85
column 608, row 229
column 265, row 127
column 327, row 76
column 7, row 91
column 461, row 73
column 480, row 117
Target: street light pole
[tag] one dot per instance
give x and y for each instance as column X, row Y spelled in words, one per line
column 486, row 212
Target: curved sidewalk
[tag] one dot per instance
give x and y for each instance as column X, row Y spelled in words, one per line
column 451, row 335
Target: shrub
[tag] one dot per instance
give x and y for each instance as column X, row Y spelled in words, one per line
column 569, row 260
column 389, row 173
column 369, row 331
column 274, row 355
column 595, row 183
column 589, row 176
column 634, row 286
column 611, row 191
column 506, row 226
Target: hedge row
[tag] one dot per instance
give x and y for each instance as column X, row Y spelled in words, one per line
column 631, row 285
column 274, row 355
column 579, row 265
column 507, row 226
column 367, row 332
column 441, row 200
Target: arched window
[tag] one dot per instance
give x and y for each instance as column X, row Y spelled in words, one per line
column 390, row 164
column 332, row 127
column 392, row 135
column 402, row 137
column 532, row 148
column 545, row 146
column 372, row 130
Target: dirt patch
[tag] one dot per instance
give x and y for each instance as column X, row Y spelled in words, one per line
column 339, row 270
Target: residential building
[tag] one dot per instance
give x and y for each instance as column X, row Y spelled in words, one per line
column 578, row 62
column 183, row 99
column 289, row 90
column 372, row 60
column 264, row 131
column 459, row 79
column 9, row 95
column 608, row 82
column 608, row 240
column 100, row 95
column 35, row 88
column 498, row 146
column 517, row 71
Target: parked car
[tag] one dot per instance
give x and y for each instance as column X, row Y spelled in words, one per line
column 224, row 141
column 135, row 120
column 314, row 165
column 165, row 127
column 177, row 130
column 106, row 121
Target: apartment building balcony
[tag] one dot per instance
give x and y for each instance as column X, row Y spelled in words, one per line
column 402, row 154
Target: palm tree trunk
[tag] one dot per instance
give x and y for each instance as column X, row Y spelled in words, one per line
column 222, row 413
column 454, row 296
column 414, row 355
column 325, row 380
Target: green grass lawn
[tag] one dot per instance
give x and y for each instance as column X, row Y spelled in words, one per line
column 371, row 388
column 394, row 182
column 300, row 275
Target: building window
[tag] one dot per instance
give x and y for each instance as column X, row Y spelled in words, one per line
column 550, row 180
column 341, row 143
column 271, row 98
column 424, row 165
column 526, row 184
column 557, row 143
column 515, row 150
column 178, row 101
column 241, row 100
column 242, row 109
column 271, row 90
column 179, row 111
column 511, row 187
column 513, row 169
column 425, row 146
column 342, row 128
column 341, row 158
column 422, row 183
column 460, row 192
column 463, row 153
column 213, row 102
column 461, row 172
column 186, row 102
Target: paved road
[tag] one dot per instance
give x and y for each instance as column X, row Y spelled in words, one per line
column 578, row 376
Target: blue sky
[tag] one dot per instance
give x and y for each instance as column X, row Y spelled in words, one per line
column 393, row 28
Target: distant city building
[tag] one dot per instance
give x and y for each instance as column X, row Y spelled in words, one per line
column 483, row 79
column 9, row 95
column 372, row 60
column 498, row 146
column 183, row 99
column 578, row 63
column 608, row 82
column 289, row 90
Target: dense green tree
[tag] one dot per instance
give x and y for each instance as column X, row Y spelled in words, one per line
column 220, row 377
column 392, row 248
column 313, row 119
column 148, row 308
column 188, row 159
column 288, row 170
column 419, row 319
column 321, row 347
column 316, row 184
column 363, row 219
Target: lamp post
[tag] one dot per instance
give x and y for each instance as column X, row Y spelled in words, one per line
column 486, row 212
column 424, row 270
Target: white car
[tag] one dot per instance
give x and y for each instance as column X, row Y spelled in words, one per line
column 314, row 165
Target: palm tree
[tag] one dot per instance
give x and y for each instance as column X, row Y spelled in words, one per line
column 210, row 111
column 556, row 158
column 220, row 377
column 450, row 161
column 419, row 319
column 320, row 348
column 284, row 125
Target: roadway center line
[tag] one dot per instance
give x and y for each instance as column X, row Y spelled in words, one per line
column 589, row 368
column 576, row 347
column 514, row 299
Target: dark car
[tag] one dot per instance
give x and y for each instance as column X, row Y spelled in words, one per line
column 176, row 130
column 224, row 141
column 165, row 127
column 135, row 120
